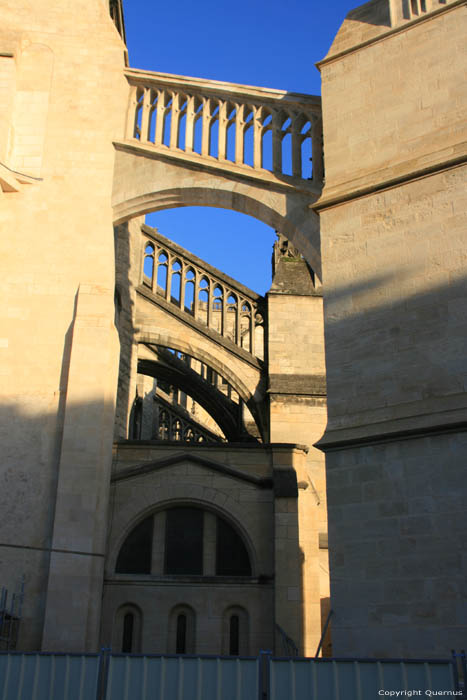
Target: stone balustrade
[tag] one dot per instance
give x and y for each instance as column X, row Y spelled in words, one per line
column 196, row 288
column 253, row 128
column 171, row 425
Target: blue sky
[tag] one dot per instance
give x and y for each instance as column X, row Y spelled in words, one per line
column 269, row 44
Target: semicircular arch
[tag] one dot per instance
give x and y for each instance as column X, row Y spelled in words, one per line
column 230, row 511
column 153, row 184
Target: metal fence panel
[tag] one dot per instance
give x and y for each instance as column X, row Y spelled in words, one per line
column 296, row 679
column 181, row 678
column 48, row 676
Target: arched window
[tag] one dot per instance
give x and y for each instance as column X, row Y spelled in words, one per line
column 135, row 553
column 182, row 545
column 235, row 631
column 182, row 624
column 126, row 635
column 180, row 641
column 234, row 635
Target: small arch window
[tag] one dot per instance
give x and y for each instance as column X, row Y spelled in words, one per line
column 182, row 629
column 235, row 631
column 180, row 642
column 126, row 635
column 234, row 635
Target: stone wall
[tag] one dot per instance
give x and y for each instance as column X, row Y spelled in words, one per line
column 393, row 243
column 254, row 488
column 59, row 349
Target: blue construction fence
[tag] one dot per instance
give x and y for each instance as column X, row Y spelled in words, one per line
column 108, row 676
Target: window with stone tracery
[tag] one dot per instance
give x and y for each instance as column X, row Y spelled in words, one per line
column 183, row 534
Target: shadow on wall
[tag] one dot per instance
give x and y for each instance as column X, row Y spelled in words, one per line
column 124, row 311
column 31, row 437
column 375, row 12
column 326, row 647
column 396, row 506
column 387, row 345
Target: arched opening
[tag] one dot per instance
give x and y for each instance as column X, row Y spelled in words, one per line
column 162, row 273
column 189, row 292
column 185, row 531
column 127, row 636
column 235, row 631
column 148, row 264
column 176, row 282
column 127, row 629
column 234, row 635
column 180, row 642
column 182, row 630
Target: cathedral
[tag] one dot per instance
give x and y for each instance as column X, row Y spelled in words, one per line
column 186, row 466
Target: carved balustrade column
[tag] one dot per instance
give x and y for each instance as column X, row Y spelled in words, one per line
column 296, row 147
column 222, row 135
column 190, row 124
column 168, row 291
column 155, row 269
column 277, row 142
column 146, row 112
column 239, row 131
column 224, row 328
column 196, row 290
column 206, row 126
column 238, row 330
column 183, row 270
column 159, row 131
column 132, row 113
column 252, row 329
column 257, row 129
column 210, row 289
column 174, row 122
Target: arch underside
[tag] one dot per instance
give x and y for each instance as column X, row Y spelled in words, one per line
column 145, row 183
column 224, row 412
column 244, row 379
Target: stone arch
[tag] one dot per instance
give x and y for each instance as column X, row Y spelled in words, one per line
column 213, row 401
column 190, row 494
column 243, row 377
column 275, row 202
column 150, row 336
